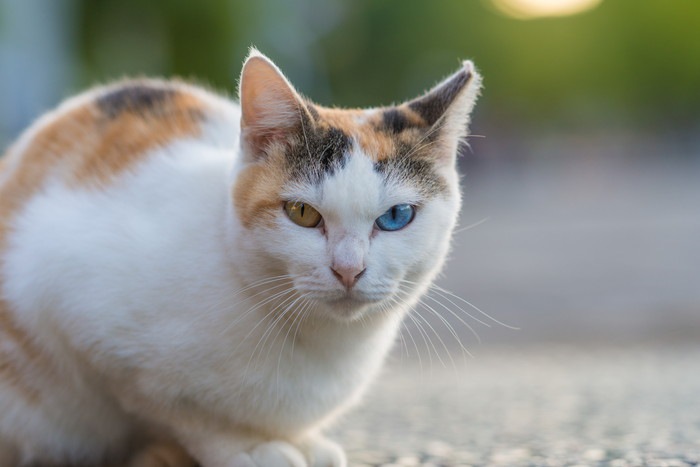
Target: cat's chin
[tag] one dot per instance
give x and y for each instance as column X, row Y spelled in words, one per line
column 350, row 308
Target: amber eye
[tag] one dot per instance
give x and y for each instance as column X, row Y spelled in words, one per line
column 302, row 214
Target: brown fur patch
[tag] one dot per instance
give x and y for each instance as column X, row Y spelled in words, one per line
column 368, row 128
column 126, row 137
column 23, row 179
column 81, row 145
column 256, row 193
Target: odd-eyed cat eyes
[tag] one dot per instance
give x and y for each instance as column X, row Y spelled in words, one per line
column 395, row 218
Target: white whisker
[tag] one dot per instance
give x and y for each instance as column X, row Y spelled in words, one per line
column 471, row 226
column 440, row 289
column 437, row 353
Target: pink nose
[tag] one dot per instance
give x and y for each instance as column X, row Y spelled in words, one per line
column 347, row 276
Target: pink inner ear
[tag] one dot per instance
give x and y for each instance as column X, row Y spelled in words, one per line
column 269, row 104
column 260, row 139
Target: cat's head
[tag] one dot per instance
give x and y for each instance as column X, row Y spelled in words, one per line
column 356, row 206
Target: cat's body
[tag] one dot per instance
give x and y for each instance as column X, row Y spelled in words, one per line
column 155, row 291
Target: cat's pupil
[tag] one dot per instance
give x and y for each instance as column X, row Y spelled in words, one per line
column 302, row 209
column 396, row 217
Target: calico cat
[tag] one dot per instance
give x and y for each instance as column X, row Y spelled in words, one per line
column 189, row 281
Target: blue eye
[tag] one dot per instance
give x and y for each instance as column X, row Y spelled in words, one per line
column 397, row 217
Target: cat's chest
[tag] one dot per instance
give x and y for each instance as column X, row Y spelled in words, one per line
column 300, row 388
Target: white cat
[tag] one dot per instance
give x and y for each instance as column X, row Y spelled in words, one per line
column 176, row 290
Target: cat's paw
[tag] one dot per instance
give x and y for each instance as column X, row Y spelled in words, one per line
column 323, row 452
column 271, row 454
column 316, row 452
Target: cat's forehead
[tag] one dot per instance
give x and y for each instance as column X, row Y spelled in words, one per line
column 380, row 133
column 396, row 142
column 355, row 189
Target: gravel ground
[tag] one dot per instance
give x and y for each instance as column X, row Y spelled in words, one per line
column 534, row 407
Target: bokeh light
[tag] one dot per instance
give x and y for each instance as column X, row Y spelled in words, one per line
column 529, row 9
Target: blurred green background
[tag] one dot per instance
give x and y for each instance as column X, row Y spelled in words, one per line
column 586, row 161
column 622, row 63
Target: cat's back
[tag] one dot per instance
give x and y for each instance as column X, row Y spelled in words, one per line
column 114, row 179
column 96, row 187
column 92, row 139
column 115, row 151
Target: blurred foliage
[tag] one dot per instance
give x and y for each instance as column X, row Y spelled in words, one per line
column 632, row 61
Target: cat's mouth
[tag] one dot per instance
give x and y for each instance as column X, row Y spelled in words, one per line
column 351, row 305
column 354, row 299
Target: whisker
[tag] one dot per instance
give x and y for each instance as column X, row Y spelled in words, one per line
column 440, row 289
column 430, row 326
column 288, row 303
column 421, row 332
column 278, row 320
column 263, row 281
column 304, row 313
column 284, row 342
column 467, row 325
column 255, row 307
column 471, row 226
column 277, row 296
column 444, row 293
column 449, row 327
column 406, row 288
column 396, row 301
column 384, row 309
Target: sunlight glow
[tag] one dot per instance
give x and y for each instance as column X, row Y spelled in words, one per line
column 529, row 9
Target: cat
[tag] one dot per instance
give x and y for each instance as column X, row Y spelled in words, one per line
column 186, row 280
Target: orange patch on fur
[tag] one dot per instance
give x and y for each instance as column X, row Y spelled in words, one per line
column 125, row 139
column 11, row 368
column 364, row 127
column 81, row 145
column 256, row 193
column 361, row 126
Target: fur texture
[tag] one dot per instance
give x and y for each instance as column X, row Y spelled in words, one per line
column 158, row 307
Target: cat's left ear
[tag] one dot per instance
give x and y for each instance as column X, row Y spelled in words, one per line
column 447, row 107
column 271, row 109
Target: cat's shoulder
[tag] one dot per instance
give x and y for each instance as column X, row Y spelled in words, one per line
column 93, row 137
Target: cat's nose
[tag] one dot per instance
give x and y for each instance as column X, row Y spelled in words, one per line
column 348, row 275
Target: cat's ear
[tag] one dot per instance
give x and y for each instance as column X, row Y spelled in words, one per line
column 271, row 109
column 447, row 107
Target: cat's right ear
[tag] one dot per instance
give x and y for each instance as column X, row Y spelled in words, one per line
column 271, row 109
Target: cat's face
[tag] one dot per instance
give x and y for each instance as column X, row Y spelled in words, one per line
column 356, row 206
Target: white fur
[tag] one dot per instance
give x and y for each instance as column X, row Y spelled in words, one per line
column 144, row 294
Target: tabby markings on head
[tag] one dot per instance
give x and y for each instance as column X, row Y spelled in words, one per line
column 397, row 139
column 317, row 153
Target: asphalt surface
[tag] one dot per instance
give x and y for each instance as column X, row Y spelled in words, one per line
column 547, row 406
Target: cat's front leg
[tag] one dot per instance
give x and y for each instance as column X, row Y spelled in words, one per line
column 236, row 450
column 316, row 452
column 322, row 452
column 272, row 453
